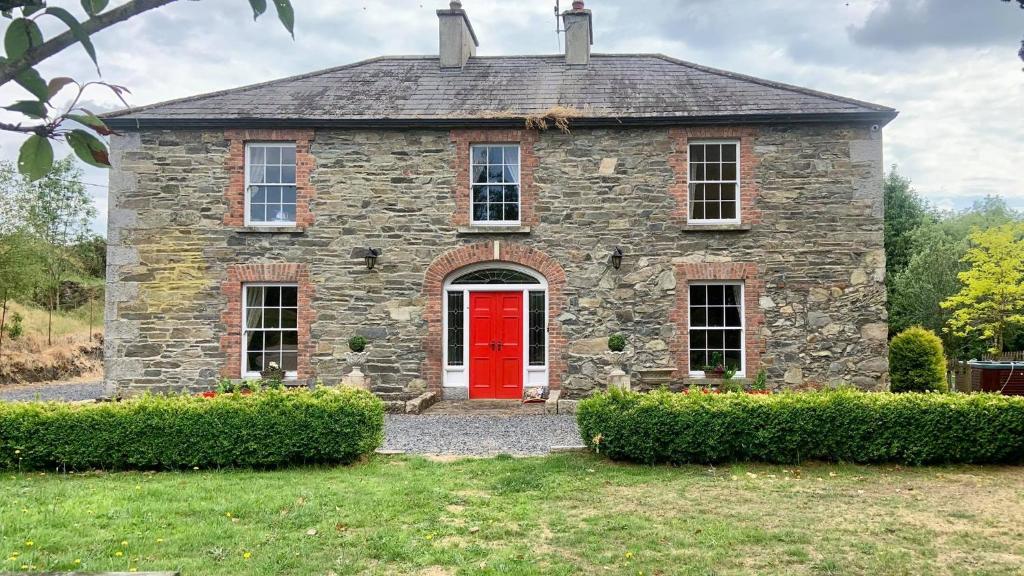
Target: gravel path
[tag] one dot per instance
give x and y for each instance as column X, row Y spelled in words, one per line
column 479, row 435
column 64, row 391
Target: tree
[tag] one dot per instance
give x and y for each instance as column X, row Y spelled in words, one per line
column 20, row 266
column 25, row 48
column 905, row 211
column 991, row 301
column 91, row 254
column 58, row 215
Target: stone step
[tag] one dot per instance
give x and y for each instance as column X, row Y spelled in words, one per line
column 383, row 388
column 395, row 396
column 394, row 406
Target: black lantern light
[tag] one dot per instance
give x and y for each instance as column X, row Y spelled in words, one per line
column 371, row 257
column 617, row 258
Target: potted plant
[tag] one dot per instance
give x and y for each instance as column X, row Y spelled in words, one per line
column 356, row 357
column 716, row 369
column 273, row 375
column 616, row 353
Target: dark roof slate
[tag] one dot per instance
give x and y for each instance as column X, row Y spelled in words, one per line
column 416, row 89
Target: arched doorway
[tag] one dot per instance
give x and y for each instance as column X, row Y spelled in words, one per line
column 494, row 333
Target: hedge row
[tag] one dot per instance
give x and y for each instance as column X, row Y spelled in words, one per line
column 269, row 429
column 930, row 428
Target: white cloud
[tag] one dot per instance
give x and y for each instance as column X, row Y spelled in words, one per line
column 958, row 134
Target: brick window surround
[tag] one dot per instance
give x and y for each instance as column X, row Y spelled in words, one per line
column 507, row 252
column 464, row 138
column 231, row 288
column 304, row 164
column 753, row 321
column 680, row 189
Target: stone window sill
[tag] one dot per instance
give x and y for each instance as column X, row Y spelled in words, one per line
column 493, row 230
column 270, row 230
column 716, row 227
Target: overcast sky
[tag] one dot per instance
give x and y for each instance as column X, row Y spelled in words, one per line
column 949, row 66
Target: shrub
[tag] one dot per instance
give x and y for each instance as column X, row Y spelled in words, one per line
column 357, row 343
column 916, row 361
column 14, row 327
column 616, row 342
column 270, row 429
column 841, row 425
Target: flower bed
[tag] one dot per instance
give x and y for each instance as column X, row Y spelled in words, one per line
column 791, row 427
column 268, row 429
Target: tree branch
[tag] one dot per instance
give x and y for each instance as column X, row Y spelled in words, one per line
column 40, row 129
column 9, row 70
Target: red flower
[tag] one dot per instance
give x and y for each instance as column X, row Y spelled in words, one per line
column 209, row 394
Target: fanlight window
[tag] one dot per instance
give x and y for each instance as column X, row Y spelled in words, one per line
column 496, row 276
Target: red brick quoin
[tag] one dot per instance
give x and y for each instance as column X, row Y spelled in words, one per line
column 509, row 252
column 753, row 287
column 749, row 189
column 304, row 165
column 240, row 274
column 463, row 138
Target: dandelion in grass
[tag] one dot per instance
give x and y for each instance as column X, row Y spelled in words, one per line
column 124, row 542
column 629, row 555
column 246, row 555
column 29, row 543
column 118, row 553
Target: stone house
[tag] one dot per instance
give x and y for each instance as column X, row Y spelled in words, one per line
column 487, row 222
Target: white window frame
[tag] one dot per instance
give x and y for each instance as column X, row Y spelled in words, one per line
column 519, row 184
column 743, row 324
column 458, row 376
column 689, row 182
column 245, row 372
column 246, row 167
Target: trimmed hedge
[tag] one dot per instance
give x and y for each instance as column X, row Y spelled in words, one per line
column 917, row 362
column 269, row 429
column 844, row 425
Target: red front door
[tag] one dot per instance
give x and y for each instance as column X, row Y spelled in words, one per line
column 495, row 344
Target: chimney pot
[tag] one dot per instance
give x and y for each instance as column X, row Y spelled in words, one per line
column 579, row 34
column 457, row 40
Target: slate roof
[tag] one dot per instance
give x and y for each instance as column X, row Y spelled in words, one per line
column 413, row 90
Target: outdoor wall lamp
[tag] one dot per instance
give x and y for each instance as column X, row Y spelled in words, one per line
column 617, row 258
column 371, row 257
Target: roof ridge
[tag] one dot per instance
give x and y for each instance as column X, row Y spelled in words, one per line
column 304, row 75
column 774, row 84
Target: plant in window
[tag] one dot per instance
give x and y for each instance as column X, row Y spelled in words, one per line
column 716, row 369
column 273, row 374
column 760, row 384
column 616, row 342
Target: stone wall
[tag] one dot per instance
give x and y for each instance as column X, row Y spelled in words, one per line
column 816, row 244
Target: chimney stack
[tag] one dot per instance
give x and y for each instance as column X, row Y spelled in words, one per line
column 458, row 41
column 579, row 34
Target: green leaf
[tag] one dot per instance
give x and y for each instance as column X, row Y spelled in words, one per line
column 57, row 84
column 94, row 7
column 30, row 80
column 30, row 108
column 21, row 35
column 35, row 158
column 286, row 15
column 89, row 148
column 258, row 7
column 91, row 121
column 32, row 7
column 76, row 30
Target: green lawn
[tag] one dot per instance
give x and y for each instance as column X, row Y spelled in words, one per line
column 559, row 515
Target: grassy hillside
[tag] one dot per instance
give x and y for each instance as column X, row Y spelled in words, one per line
column 72, row 354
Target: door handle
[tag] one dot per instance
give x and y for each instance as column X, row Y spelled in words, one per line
column 499, row 345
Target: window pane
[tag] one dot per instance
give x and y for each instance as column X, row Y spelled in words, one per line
column 253, row 318
column 729, row 152
column 728, row 171
column 733, row 359
column 494, row 155
column 289, row 318
column 511, row 212
column 697, row 152
column 728, row 191
column 289, row 296
column 711, row 211
column 479, row 155
column 713, row 172
column 511, row 155
column 257, row 194
column 698, row 316
column 732, row 317
column 271, row 318
column 512, row 174
column 256, row 154
column 494, row 212
column 257, row 213
column 716, row 294
column 729, row 210
column 697, row 173
column 455, row 328
column 273, row 155
column 732, row 294
column 537, row 330
column 697, row 360
column 290, row 361
column 716, row 338
column 511, row 194
column 494, row 174
column 254, row 362
column 287, row 213
column 698, row 340
column 698, row 211
column 288, row 174
column 479, row 173
column 290, row 339
column 480, row 212
column 712, row 152
column 711, row 192
column 698, row 294
column 698, row 192
column 495, row 193
column 272, row 296
column 716, row 316
column 273, row 174
column 732, row 339
column 254, row 341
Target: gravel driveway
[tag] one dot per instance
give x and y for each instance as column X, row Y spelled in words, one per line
column 64, row 391
column 469, row 435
